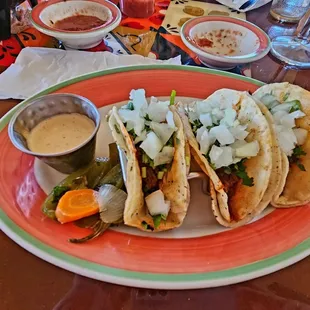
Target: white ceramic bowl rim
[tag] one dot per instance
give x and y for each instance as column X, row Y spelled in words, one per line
column 81, row 34
column 228, row 59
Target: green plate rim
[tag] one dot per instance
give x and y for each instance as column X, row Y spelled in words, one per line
column 141, row 279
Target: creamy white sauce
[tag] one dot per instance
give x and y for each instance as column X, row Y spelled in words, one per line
column 60, row 133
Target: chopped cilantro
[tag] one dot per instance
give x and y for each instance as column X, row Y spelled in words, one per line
column 196, row 125
column 239, row 170
column 132, row 133
column 301, row 166
column 298, row 151
column 296, row 105
column 295, row 157
column 130, row 106
column 147, row 128
column 59, row 191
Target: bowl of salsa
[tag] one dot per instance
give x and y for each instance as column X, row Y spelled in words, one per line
column 78, row 24
column 224, row 42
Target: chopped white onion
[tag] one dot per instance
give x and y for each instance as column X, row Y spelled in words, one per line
column 278, row 116
column 250, row 149
column 287, row 139
column 156, row 203
column 239, row 132
column 157, row 110
column 130, row 125
column 229, row 117
column 298, row 114
column 163, row 131
column 269, row 101
column 288, row 120
column 222, row 135
column 128, row 115
column 301, row 135
column 204, row 142
column 206, row 119
column 134, row 119
column 192, row 116
column 203, row 107
column 151, row 145
column 140, row 138
column 221, row 156
column 165, row 156
column 282, row 107
column 238, row 143
column 111, row 202
column 217, row 115
column 170, row 120
column 138, row 100
column 199, row 133
column 246, row 114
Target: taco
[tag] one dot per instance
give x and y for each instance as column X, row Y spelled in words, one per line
column 232, row 142
column 158, row 161
column 289, row 107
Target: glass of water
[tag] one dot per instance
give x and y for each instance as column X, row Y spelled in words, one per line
column 290, row 11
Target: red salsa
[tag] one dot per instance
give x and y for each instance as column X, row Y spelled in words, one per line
column 79, row 23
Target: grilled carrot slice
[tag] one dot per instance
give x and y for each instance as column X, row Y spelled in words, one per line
column 76, row 204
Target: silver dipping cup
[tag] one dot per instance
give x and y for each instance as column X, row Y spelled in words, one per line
column 45, row 107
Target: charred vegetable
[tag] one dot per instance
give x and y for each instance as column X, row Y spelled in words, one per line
column 87, row 177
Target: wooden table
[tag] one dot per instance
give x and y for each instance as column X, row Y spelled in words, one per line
column 26, row 282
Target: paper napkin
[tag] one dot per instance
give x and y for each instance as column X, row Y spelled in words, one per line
column 36, row 69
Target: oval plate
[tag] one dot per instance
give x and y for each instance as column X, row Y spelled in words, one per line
column 279, row 239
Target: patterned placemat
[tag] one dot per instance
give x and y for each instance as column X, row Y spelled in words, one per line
column 156, row 37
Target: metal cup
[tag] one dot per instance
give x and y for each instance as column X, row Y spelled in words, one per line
column 45, row 107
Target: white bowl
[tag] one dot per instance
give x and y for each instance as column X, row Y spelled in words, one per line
column 224, row 42
column 47, row 13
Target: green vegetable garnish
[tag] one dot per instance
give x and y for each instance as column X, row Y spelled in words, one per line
column 160, row 175
column 239, row 170
column 188, row 160
column 296, row 105
column 59, row 191
column 196, row 125
column 295, row 157
column 144, row 225
column 301, row 166
column 143, row 172
column 144, row 158
column 157, row 220
column 147, row 118
column 132, row 133
column 130, row 106
column 172, row 97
